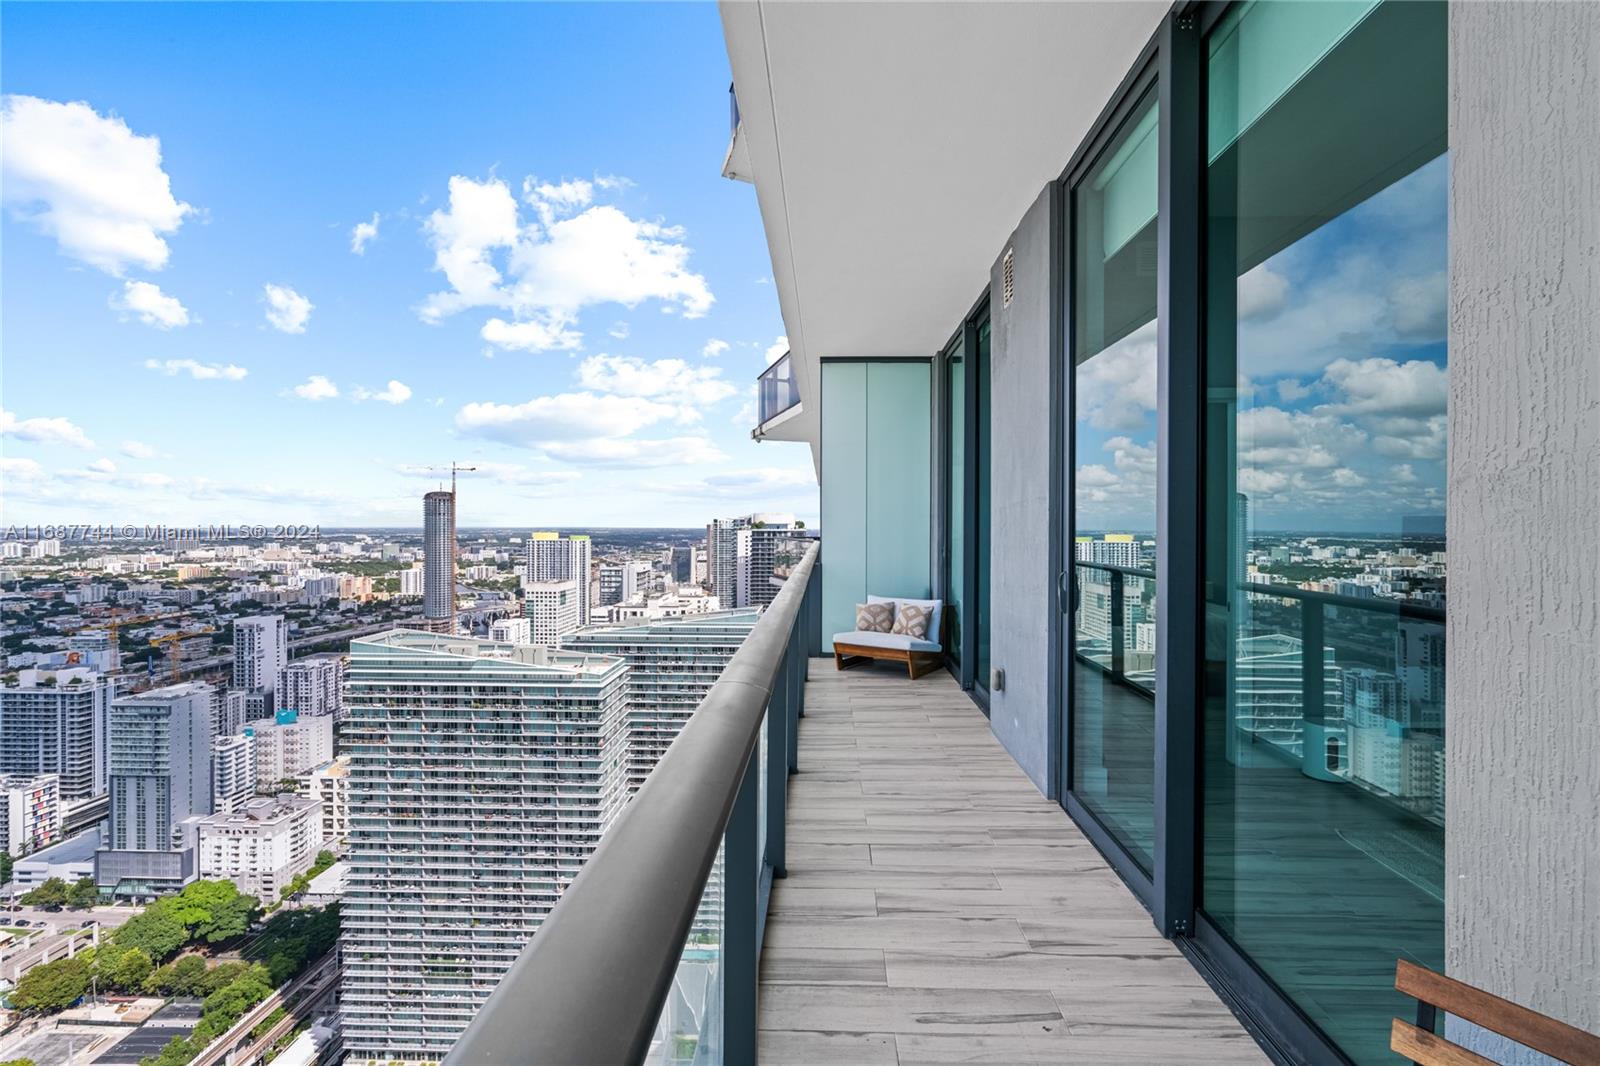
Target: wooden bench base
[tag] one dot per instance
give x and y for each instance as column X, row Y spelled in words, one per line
column 917, row 662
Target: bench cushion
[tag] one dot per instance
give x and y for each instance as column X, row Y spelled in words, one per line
column 935, row 606
column 897, row 641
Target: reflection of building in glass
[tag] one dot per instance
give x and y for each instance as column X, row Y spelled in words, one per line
column 1387, row 753
column 1419, row 663
column 1268, row 697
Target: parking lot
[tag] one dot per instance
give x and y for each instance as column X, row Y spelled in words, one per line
column 175, row 1019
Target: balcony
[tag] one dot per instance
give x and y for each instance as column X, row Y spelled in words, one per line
column 777, row 399
column 845, row 867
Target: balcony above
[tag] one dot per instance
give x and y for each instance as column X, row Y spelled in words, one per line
column 778, row 402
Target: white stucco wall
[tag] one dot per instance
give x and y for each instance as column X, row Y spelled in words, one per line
column 1523, row 752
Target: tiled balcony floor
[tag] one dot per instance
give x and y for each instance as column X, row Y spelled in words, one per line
column 939, row 909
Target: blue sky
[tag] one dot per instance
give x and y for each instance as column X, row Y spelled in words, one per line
column 1342, row 380
column 560, row 288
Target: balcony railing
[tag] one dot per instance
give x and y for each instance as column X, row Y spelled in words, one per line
column 733, row 111
column 776, row 390
column 675, row 895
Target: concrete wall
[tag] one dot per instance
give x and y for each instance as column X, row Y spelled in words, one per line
column 1021, row 567
column 1522, row 848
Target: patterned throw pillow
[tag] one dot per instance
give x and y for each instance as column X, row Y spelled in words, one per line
column 874, row 617
column 912, row 621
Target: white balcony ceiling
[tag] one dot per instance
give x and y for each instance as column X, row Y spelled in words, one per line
column 896, row 145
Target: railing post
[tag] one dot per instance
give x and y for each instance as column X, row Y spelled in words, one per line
column 780, row 711
column 741, row 957
column 1117, row 615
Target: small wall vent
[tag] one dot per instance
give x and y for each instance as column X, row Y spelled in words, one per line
column 1008, row 278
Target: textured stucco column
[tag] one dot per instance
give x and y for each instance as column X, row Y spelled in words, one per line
column 1523, row 748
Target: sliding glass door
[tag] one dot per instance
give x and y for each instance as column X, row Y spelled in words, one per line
column 1326, row 366
column 1113, row 626
column 955, row 502
column 979, row 610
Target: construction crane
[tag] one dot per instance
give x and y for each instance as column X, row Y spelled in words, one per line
column 172, row 640
column 454, row 469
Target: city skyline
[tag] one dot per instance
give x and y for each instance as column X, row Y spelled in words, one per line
column 535, row 281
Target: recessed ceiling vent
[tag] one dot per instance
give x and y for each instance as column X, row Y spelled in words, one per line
column 1008, row 278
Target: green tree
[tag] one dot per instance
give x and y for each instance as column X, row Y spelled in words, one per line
column 157, row 931
column 83, row 894
column 53, row 893
column 19, row 1062
column 5, row 876
column 178, row 1052
column 52, row 986
column 122, row 969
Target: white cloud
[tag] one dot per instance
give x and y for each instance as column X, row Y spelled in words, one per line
column 619, row 330
column 760, row 486
column 1117, row 386
column 713, row 348
column 1262, row 293
column 1096, row 476
column 14, row 469
column 363, row 234
column 154, row 307
column 1417, row 306
column 547, row 270
column 287, row 310
column 1385, row 387
column 1291, row 390
column 1273, row 437
column 134, row 449
column 44, row 430
column 397, row 392
column 618, row 452
column 571, row 416
column 776, row 349
column 665, row 380
column 504, row 473
column 198, row 371
column 531, row 336
column 88, row 181
column 316, row 387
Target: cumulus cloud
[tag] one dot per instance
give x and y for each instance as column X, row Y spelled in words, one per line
column 14, row 469
column 196, row 370
column 44, row 430
column 316, row 387
column 665, row 380
column 572, row 416
column 621, row 452
column 1273, row 437
column 1262, row 292
column 1417, row 388
column 713, row 348
column 619, row 330
column 776, row 349
column 396, row 392
column 287, row 310
column 154, row 307
column 531, row 335
column 573, row 254
column 134, row 449
column 760, row 486
column 89, row 182
column 1417, row 306
column 363, row 234
column 1117, row 387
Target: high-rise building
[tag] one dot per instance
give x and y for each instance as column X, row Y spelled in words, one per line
column 1113, row 549
column 512, row 631
column 287, row 745
column 30, row 813
column 233, row 771
column 159, row 745
column 54, row 722
column 260, row 652
column 313, row 686
column 728, row 560
column 480, row 779
column 552, row 557
column 672, row 664
column 773, row 540
column 262, row 846
column 330, row 786
column 620, row 582
column 552, row 611
column 411, row 582
column 682, row 564
column 439, row 561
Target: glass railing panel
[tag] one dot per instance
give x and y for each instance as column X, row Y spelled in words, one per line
column 776, row 389
column 690, row 1030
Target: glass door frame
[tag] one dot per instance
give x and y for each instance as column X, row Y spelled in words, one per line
column 1174, row 62
column 963, row 339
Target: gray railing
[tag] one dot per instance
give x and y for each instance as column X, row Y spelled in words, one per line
column 591, row 984
column 1117, row 577
column 733, row 111
column 776, row 390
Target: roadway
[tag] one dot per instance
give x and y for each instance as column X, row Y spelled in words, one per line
column 336, row 636
column 19, row 956
column 297, row 997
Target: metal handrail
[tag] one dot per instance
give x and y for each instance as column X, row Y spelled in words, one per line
column 590, row 985
column 776, row 389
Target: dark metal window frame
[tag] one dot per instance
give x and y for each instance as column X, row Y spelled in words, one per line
column 1173, row 65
